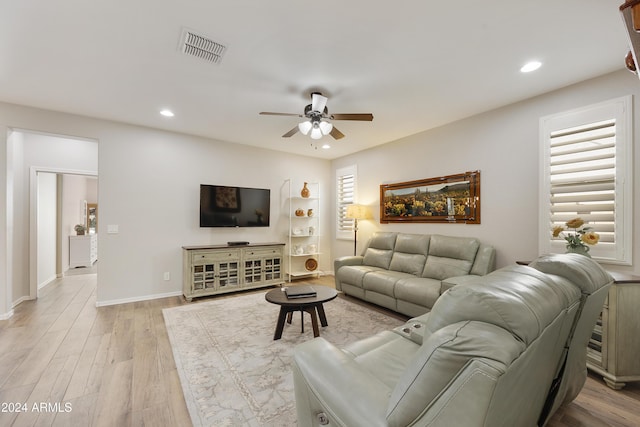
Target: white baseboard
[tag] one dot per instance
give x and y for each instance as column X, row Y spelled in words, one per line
column 6, row 315
column 137, row 299
column 20, row 301
column 46, row 282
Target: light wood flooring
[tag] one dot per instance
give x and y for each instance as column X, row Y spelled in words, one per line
column 113, row 366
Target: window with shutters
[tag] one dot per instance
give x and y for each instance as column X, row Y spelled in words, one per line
column 586, row 173
column 345, row 195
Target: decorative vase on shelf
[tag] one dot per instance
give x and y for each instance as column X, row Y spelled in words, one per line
column 310, row 212
column 305, row 191
column 578, row 250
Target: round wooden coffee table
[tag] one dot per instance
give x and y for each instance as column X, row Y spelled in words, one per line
column 312, row 305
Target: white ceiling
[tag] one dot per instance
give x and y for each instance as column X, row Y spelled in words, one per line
column 414, row 64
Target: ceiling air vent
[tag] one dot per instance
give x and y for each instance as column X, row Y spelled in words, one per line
column 201, row 47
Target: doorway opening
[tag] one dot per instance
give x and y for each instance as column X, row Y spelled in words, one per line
column 66, row 227
column 38, row 221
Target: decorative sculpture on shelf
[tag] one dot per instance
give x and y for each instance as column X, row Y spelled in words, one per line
column 630, row 11
column 305, row 191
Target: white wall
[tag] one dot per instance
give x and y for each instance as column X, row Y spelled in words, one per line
column 149, row 188
column 47, row 228
column 503, row 144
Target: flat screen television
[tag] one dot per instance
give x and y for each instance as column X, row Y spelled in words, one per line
column 222, row 206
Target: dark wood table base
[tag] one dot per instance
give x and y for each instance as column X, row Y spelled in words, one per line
column 312, row 305
column 286, row 313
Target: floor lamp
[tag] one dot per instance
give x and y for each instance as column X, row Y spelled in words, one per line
column 357, row 212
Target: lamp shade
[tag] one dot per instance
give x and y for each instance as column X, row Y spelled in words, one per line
column 325, row 127
column 316, row 133
column 305, row 127
column 358, row 212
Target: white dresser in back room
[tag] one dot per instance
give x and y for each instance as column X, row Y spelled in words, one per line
column 83, row 250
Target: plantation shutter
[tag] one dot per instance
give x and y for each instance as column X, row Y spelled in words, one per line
column 587, row 173
column 345, row 195
column 582, row 177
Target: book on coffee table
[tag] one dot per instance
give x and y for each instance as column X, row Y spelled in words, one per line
column 300, row 292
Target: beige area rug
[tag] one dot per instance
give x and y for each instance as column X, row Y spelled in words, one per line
column 232, row 371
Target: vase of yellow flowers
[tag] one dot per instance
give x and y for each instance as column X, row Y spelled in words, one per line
column 579, row 241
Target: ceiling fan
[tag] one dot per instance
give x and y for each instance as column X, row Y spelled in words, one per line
column 318, row 116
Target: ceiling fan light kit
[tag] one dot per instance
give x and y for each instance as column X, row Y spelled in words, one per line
column 325, row 127
column 304, row 127
column 316, row 133
column 317, row 124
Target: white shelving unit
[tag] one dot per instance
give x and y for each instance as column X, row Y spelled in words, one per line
column 303, row 248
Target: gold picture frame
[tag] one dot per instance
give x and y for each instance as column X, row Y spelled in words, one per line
column 445, row 199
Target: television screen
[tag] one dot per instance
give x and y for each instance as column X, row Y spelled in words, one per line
column 222, row 206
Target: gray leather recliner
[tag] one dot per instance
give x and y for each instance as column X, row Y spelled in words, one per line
column 486, row 355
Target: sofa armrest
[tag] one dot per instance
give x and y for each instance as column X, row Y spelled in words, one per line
column 485, row 261
column 327, row 380
column 347, row 260
column 342, row 261
column 450, row 282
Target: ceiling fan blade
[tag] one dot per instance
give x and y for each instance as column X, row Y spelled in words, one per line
column 367, row 117
column 268, row 113
column 318, row 102
column 336, row 134
column 291, row 132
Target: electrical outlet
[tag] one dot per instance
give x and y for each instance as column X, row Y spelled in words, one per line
column 167, row 275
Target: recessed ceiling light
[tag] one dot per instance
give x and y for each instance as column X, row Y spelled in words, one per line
column 326, row 146
column 167, row 113
column 530, row 66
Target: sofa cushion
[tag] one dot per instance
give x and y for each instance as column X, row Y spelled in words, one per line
column 383, row 241
column 380, row 250
column 418, row 290
column 408, row 263
column 378, row 257
column 442, row 268
column 354, row 274
column 410, row 253
column 454, row 247
column 383, row 282
column 389, row 358
column 450, row 256
column 412, row 243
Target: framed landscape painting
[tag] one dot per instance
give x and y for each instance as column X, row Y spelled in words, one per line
column 452, row 198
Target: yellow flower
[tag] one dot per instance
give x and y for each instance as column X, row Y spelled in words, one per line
column 557, row 230
column 581, row 236
column 590, row 238
column 575, row 223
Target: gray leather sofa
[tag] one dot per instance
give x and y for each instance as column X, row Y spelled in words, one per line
column 407, row 273
column 486, row 355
